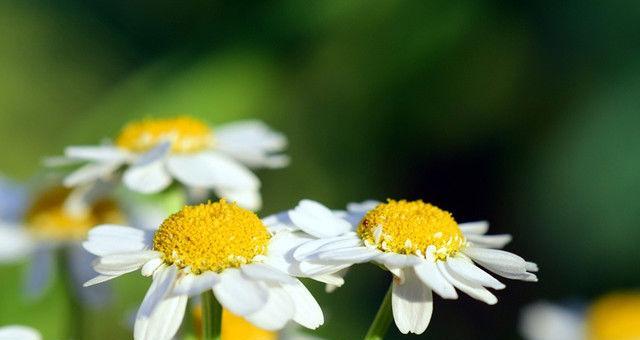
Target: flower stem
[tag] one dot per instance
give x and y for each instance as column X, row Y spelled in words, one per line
column 211, row 317
column 75, row 317
column 383, row 319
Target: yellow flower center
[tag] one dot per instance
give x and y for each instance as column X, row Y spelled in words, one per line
column 211, row 237
column 234, row 327
column 410, row 227
column 48, row 218
column 615, row 317
column 186, row 135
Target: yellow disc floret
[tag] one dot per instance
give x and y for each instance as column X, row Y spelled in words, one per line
column 186, row 135
column 615, row 317
column 49, row 218
column 211, row 237
column 410, row 227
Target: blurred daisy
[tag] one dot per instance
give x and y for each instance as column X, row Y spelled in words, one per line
column 236, row 327
column 55, row 223
column 154, row 152
column 615, row 316
column 16, row 332
column 216, row 247
column 422, row 245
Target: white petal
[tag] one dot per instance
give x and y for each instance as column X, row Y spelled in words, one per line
column 238, row 294
column 393, row 261
column 318, row 220
column 489, row 241
column 464, row 268
column 91, row 172
column 193, row 285
column 307, row 310
column 15, row 243
column 162, row 284
column 494, row 259
column 253, row 143
column 108, row 239
column 472, row 289
column 151, row 266
column 531, row 267
column 430, row 275
column 310, row 248
column 545, row 321
column 148, row 178
column 118, row 264
column 281, row 248
column 96, row 153
column 412, row 304
column 279, row 222
column 362, row 207
column 165, row 321
column 346, row 255
column 246, row 198
column 314, row 270
column 157, row 153
column 277, row 311
column 99, row 279
column 263, row 272
column 16, row 332
column 209, row 170
column 474, row 228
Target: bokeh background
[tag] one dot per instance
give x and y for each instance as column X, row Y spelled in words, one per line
column 525, row 113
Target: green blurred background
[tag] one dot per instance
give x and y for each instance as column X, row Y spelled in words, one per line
column 523, row 113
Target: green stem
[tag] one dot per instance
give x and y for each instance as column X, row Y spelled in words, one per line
column 211, row 317
column 76, row 314
column 383, row 319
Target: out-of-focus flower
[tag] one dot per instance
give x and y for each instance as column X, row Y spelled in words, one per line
column 214, row 246
column 420, row 244
column 55, row 222
column 17, row 332
column 615, row 316
column 153, row 152
column 236, row 327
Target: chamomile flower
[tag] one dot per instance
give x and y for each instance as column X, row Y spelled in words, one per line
column 615, row 316
column 154, row 152
column 54, row 223
column 218, row 247
column 17, row 332
column 422, row 245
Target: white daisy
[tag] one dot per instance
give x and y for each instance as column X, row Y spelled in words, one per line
column 615, row 316
column 216, row 247
column 154, row 152
column 17, row 332
column 420, row 244
column 52, row 229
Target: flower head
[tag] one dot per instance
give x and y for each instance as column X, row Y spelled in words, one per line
column 151, row 153
column 421, row 244
column 614, row 316
column 215, row 246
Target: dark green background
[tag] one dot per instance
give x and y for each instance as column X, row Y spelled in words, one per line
column 525, row 113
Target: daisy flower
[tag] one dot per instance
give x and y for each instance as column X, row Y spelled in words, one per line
column 214, row 249
column 615, row 316
column 153, row 152
column 17, row 332
column 51, row 229
column 422, row 245
column 236, row 327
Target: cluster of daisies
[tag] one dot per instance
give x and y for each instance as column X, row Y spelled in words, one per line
column 220, row 249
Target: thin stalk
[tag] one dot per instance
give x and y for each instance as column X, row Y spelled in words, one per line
column 76, row 312
column 211, row 317
column 383, row 319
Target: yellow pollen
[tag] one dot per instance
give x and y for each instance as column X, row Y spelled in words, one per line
column 211, row 237
column 186, row 135
column 410, row 227
column 615, row 317
column 47, row 217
